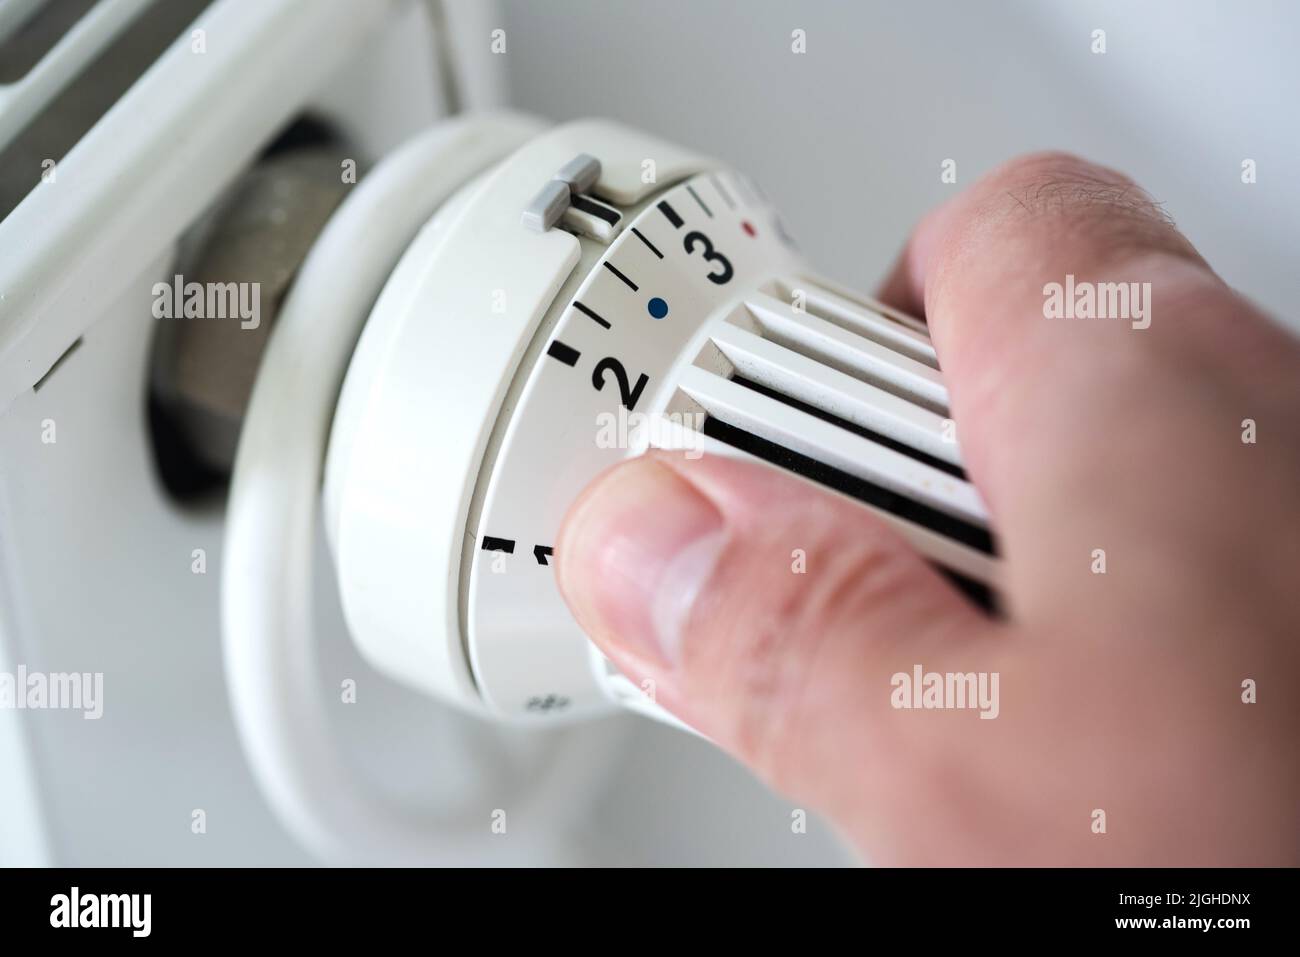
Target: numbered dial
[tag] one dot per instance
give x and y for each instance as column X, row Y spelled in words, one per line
column 598, row 392
column 565, row 312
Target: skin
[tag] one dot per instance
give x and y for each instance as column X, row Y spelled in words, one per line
column 1120, row 691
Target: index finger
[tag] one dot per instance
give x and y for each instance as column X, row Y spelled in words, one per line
column 1061, row 298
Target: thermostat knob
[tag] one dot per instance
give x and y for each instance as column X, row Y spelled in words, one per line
column 598, row 293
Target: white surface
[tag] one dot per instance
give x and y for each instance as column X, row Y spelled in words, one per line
column 134, row 182
column 916, row 381
column 422, row 396
column 101, row 573
column 15, row 14
column 847, row 139
column 529, row 659
column 811, row 436
column 524, row 642
column 269, row 647
column 869, row 406
column 23, row 838
column 886, row 92
column 89, row 36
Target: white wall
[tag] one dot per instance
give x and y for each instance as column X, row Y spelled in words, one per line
column 848, row 138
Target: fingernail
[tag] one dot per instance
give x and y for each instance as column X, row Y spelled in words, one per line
column 633, row 556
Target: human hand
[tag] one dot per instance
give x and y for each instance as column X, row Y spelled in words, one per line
column 1120, row 692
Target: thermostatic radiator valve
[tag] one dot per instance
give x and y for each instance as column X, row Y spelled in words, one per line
column 595, row 293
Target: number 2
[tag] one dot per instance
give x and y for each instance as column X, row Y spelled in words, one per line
column 628, row 395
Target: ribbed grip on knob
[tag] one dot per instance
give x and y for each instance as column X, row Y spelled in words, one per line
column 846, row 393
column 843, row 392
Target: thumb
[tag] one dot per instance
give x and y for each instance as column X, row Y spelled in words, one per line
column 769, row 614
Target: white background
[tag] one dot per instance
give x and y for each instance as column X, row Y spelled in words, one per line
column 848, row 138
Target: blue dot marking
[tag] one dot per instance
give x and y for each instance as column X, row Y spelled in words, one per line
column 658, row 308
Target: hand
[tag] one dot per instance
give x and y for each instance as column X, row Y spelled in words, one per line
column 1119, row 692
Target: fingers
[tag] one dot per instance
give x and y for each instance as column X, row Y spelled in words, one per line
column 769, row 614
column 979, row 267
column 776, row 618
column 1007, row 274
column 1056, row 210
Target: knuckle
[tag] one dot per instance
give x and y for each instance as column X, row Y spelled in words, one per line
column 1068, row 195
column 1056, row 170
column 1056, row 185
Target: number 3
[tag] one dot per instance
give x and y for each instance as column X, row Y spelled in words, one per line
column 694, row 238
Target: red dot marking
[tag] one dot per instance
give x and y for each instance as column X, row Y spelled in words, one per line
column 747, row 227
